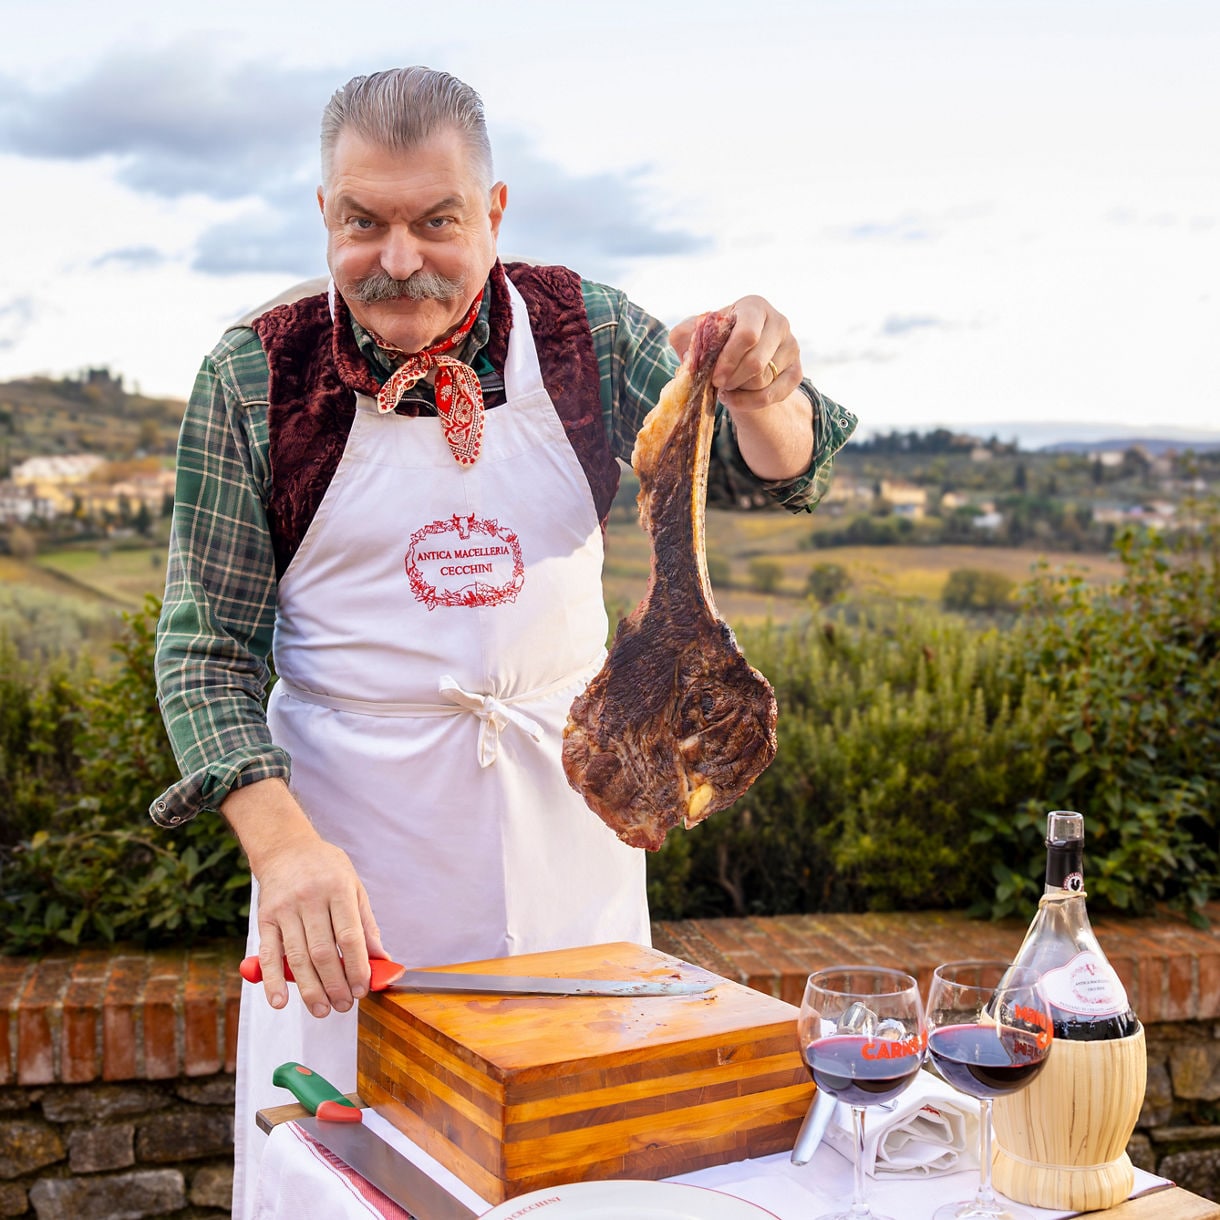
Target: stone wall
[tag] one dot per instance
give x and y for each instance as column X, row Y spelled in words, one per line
column 80, row 1152
column 116, row 1085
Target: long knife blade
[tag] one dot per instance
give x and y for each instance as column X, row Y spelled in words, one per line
column 390, row 976
column 433, row 980
column 375, row 1161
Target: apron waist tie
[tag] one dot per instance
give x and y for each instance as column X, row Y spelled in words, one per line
column 495, row 715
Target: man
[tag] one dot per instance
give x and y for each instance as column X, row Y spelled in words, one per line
column 400, row 485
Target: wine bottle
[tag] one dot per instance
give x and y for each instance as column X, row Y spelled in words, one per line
column 1087, row 998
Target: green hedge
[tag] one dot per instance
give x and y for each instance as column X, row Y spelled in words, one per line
column 81, row 757
column 918, row 755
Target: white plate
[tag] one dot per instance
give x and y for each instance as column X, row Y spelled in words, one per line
column 618, row 1200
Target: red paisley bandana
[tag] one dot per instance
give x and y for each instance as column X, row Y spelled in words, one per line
column 459, row 397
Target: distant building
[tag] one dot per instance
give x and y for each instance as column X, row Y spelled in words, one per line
column 1156, row 514
column 905, row 499
column 66, row 468
column 21, row 503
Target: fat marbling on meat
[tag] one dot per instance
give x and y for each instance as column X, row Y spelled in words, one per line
column 677, row 724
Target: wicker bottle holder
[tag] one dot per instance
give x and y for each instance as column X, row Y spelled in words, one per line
column 1061, row 1142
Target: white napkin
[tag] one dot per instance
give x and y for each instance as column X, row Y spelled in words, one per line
column 932, row 1129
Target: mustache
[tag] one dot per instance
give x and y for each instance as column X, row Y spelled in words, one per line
column 419, row 286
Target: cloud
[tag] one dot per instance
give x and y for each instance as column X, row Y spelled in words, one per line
column 1131, row 217
column 904, row 228
column 914, row 226
column 182, row 122
column 133, row 258
column 592, row 222
column 16, row 317
column 177, row 121
column 904, row 324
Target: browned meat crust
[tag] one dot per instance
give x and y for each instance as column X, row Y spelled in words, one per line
column 677, row 724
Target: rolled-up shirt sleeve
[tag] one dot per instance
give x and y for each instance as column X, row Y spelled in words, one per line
column 636, row 360
column 218, row 615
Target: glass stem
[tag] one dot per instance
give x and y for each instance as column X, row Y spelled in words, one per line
column 859, row 1205
column 986, row 1196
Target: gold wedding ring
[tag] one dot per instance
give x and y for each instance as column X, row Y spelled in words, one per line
column 774, row 369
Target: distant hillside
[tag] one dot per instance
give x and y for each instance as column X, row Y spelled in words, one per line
column 1034, row 436
column 1154, row 445
column 42, row 416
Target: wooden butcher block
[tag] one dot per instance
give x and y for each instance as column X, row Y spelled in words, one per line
column 516, row 1093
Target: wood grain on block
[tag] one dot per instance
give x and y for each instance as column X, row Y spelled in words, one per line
column 514, row 1093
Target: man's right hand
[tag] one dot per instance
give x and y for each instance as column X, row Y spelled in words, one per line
column 312, row 907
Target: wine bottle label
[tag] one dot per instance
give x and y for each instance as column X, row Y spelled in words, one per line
column 1087, row 985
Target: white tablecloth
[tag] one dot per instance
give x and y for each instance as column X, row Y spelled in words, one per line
column 301, row 1181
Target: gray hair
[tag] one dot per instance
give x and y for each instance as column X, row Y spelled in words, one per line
column 401, row 108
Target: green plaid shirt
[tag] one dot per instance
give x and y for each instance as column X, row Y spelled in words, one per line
column 218, row 618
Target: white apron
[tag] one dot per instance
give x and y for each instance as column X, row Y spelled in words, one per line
column 432, row 631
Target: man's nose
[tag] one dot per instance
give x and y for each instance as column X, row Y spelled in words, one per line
column 401, row 254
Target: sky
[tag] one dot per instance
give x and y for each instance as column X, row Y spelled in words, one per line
column 994, row 216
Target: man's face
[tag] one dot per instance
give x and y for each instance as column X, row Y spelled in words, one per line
column 393, row 215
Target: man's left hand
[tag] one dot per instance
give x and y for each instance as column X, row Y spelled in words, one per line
column 757, row 378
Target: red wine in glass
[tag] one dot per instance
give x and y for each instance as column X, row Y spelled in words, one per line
column 847, row 1066
column 862, row 1034
column 989, row 1033
column 983, row 1061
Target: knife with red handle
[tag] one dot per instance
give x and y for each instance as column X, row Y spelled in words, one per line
column 386, row 974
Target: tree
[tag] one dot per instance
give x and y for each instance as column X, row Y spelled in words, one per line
column 719, row 570
column 977, row 589
column 827, row 581
column 766, row 575
column 21, row 543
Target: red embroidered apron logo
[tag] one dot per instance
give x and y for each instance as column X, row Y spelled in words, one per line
column 463, row 561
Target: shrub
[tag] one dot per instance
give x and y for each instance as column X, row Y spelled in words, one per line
column 766, row 575
column 96, row 868
column 918, row 755
column 827, row 582
column 719, row 570
column 39, row 716
column 977, row 589
column 894, row 735
column 1131, row 679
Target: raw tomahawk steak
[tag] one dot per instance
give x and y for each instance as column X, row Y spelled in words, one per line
column 677, row 724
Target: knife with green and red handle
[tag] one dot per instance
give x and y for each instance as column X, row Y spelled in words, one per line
column 337, row 1125
column 316, row 1093
column 388, row 975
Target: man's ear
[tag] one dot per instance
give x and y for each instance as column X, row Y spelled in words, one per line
column 499, row 201
column 321, row 202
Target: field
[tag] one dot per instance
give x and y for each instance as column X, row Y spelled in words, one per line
column 898, row 572
column 100, row 582
column 120, row 577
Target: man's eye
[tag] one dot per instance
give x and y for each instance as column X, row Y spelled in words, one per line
column 363, row 223
column 439, row 222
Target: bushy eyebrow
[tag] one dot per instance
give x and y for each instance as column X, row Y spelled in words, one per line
column 451, row 203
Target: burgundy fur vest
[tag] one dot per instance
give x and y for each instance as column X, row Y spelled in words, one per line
column 315, row 368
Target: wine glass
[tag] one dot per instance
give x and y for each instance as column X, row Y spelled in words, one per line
column 989, row 1033
column 862, row 1035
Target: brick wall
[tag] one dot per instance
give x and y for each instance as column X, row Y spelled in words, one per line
column 116, row 1067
